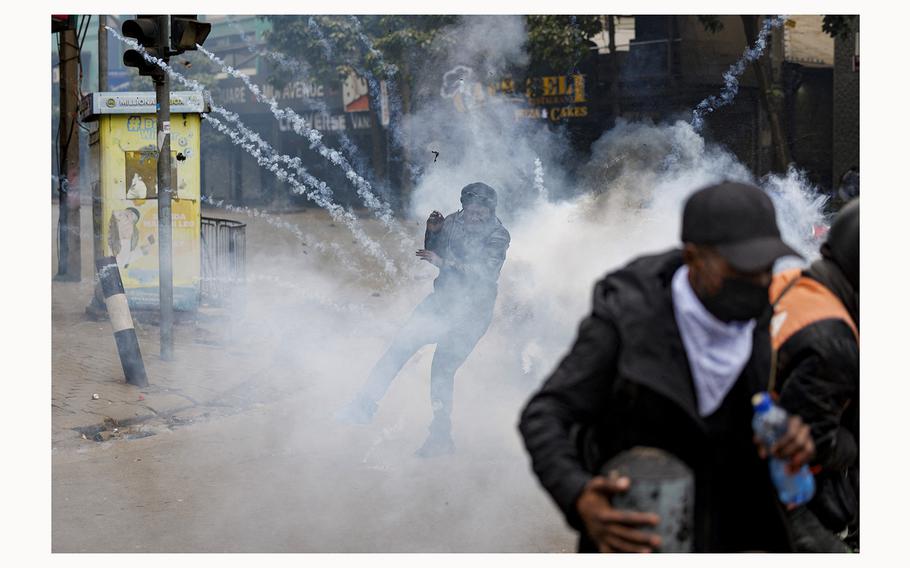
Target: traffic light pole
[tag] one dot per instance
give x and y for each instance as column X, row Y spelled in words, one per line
column 165, row 258
column 153, row 34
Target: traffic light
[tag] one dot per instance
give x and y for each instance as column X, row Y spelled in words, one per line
column 60, row 22
column 144, row 29
column 186, row 32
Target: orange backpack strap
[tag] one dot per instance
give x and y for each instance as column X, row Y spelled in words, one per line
column 800, row 302
column 797, row 303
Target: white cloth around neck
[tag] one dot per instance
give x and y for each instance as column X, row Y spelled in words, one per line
column 717, row 351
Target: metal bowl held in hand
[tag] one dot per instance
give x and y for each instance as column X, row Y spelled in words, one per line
column 662, row 484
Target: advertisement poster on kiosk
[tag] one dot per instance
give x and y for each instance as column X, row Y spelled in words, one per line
column 128, row 192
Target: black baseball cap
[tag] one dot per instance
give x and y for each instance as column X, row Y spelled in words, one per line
column 738, row 220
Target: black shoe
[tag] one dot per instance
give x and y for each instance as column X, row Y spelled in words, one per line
column 359, row 411
column 436, row 445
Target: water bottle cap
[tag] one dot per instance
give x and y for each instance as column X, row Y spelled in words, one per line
column 761, row 401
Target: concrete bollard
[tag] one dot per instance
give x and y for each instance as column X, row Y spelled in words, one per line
column 658, row 483
column 121, row 321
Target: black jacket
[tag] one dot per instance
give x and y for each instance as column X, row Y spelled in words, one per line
column 626, row 382
column 818, row 379
column 472, row 260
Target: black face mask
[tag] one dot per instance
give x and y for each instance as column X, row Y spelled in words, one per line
column 737, row 300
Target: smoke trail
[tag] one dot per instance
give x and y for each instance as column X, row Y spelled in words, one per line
column 336, row 211
column 380, row 209
column 333, row 249
column 373, row 86
column 323, row 41
column 388, row 69
column 321, row 194
column 731, row 77
column 329, row 52
column 253, row 212
column 389, row 72
column 281, row 59
column 538, row 180
column 577, row 37
column 301, row 70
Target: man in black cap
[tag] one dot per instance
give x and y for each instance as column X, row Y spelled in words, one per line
column 670, row 356
column 815, row 335
column 469, row 248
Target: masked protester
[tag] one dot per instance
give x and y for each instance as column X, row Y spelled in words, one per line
column 670, row 356
column 469, row 248
column 815, row 334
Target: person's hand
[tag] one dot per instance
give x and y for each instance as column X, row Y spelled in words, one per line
column 434, row 222
column 430, row 257
column 614, row 530
column 795, row 446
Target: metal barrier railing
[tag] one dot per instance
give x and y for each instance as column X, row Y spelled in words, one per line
column 223, row 260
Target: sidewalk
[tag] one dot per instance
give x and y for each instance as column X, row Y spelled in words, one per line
column 209, row 375
column 90, row 396
column 268, row 358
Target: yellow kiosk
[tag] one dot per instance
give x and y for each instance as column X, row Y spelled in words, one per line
column 125, row 191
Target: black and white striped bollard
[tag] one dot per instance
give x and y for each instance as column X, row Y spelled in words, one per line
column 121, row 321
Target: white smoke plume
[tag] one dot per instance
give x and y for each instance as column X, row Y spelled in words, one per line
column 321, row 329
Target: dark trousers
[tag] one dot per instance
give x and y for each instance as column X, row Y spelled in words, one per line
column 455, row 328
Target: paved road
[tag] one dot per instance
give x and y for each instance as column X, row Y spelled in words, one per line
column 244, row 455
column 273, row 479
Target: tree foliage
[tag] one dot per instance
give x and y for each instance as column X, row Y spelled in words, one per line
column 383, row 46
column 712, row 24
column 840, row 26
column 562, row 42
column 333, row 45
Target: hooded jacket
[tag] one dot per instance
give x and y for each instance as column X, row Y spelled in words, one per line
column 626, row 382
column 473, row 259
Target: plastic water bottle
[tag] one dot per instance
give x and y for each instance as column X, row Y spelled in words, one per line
column 769, row 424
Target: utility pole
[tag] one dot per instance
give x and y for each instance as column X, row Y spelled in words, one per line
column 69, row 247
column 165, row 235
column 154, row 35
column 96, row 307
column 102, row 53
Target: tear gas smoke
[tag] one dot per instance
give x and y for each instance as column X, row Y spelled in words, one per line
column 300, row 126
column 253, row 212
column 321, row 330
column 369, row 245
